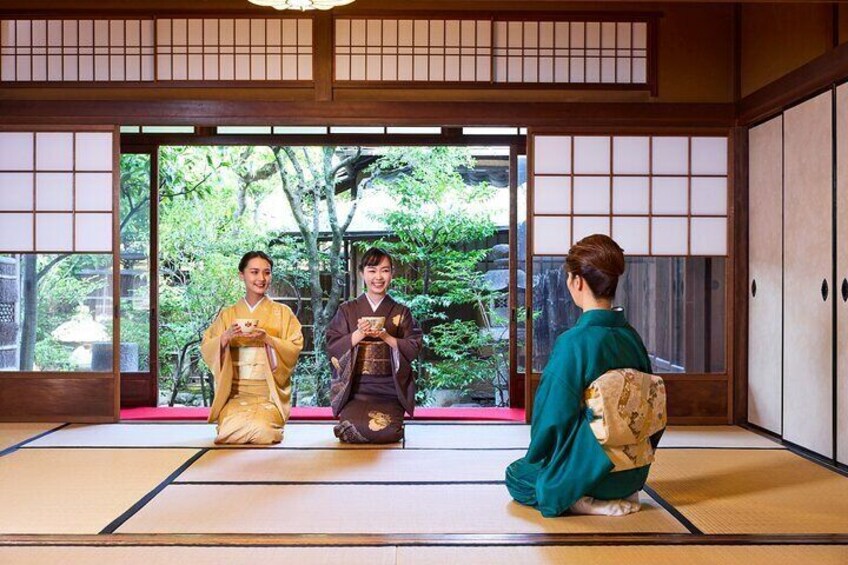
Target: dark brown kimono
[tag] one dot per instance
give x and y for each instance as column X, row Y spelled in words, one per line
column 371, row 409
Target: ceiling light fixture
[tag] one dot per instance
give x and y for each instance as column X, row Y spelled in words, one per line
column 301, row 5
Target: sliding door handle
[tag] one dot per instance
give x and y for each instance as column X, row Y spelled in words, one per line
column 825, row 290
column 754, row 288
column 844, row 290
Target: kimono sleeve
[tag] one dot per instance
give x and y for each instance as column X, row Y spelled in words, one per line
column 210, row 347
column 288, row 346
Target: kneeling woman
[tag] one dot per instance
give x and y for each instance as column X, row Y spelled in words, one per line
column 252, row 363
column 565, row 468
column 371, row 343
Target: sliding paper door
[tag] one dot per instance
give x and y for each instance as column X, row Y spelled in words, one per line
column 765, row 285
column 808, row 284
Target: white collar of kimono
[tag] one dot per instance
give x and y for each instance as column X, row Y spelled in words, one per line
column 374, row 305
column 255, row 306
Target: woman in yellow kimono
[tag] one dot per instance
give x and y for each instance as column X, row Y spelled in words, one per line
column 252, row 369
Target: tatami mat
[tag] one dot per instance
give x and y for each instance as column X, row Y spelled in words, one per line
column 462, row 436
column 77, row 491
column 349, row 465
column 752, row 492
column 198, row 555
column 184, row 435
column 618, row 555
column 373, row 509
column 13, row 434
column 730, row 437
column 418, row 436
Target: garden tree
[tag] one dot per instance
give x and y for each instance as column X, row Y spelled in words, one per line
column 202, row 234
column 309, row 177
column 435, row 221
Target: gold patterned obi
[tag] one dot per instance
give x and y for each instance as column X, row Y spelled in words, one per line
column 627, row 407
column 373, row 358
column 250, row 363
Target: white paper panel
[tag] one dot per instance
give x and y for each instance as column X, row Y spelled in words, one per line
column 552, row 195
column 591, row 155
column 670, row 156
column 709, row 156
column 16, row 232
column 94, row 192
column 670, row 195
column 54, row 232
column 631, row 234
column 551, row 235
column 54, row 151
column 16, row 151
column 669, row 236
column 585, row 226
column 54, row 191
column 591, row 195
column 765, row 267
column 16, row 191
column 552, row 154
column 631, row 195
column 709, row 195
column 808, row 261
column 709, row 236
column 94, row 151
column 94, row 232
column 842, row 274
column 631, row 155
column 640, row 71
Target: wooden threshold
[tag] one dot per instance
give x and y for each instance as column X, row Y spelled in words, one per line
column 325, row 540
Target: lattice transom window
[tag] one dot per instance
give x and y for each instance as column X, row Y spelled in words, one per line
column 492, row 51
column 207, row 49
column 56, row 191
column 655, row 195
column 571, row 52
column 256, row 49
column 413, row 50
column 76, row 50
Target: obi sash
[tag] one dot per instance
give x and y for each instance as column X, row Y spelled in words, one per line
column 626, row 408
column 249, row 363
column 373, row 358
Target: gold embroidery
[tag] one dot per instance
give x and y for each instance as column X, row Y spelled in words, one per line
column 336, row 364
column 379, row 421
column 397, row 320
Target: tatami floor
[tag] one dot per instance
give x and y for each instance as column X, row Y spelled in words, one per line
column 163, row 492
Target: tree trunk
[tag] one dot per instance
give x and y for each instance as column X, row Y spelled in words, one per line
column 28, row 325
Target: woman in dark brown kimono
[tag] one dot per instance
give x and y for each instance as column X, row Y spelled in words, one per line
column 372, row 342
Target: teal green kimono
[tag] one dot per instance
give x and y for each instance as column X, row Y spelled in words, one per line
column 564, row 461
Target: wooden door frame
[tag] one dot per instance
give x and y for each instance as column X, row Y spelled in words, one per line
column 207, row 136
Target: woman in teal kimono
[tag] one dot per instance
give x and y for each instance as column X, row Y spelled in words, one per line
column 565, row 468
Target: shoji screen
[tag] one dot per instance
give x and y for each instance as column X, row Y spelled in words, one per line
column 842, row 274
column 765, row 298
column 58, row 225
column 808, row 286
column 56, row 191
column 655, row 195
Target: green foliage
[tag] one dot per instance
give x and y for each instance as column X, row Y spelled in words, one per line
column 62, row 289
column 435, row 224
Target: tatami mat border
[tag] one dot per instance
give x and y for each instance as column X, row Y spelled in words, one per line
column 20, row 444
column 119, row 521
column 693, row 529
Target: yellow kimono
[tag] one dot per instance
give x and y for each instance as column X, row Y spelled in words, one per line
column 252, row 379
